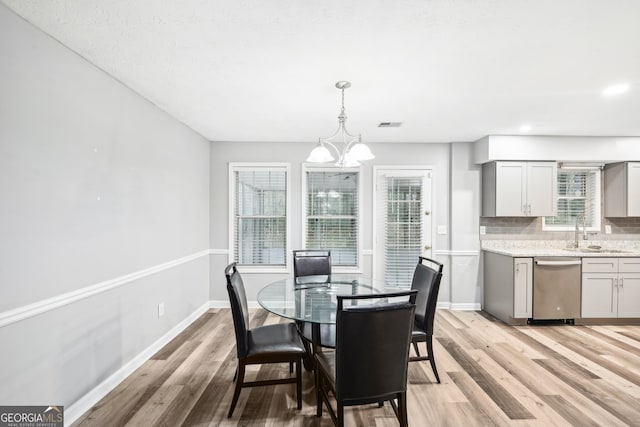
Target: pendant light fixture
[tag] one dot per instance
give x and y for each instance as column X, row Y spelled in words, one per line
column 348, row 148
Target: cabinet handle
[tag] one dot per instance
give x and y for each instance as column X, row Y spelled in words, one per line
column 621, row 283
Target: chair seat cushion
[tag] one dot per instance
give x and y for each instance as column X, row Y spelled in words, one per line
column 273, row 339
column 327, row 334
column 327, row 362
column 417, row 334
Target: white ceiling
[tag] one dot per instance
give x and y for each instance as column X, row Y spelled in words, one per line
column 449, row 70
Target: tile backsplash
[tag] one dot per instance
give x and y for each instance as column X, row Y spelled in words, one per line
column 530, row 228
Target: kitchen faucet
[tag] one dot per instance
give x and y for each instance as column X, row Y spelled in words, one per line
column 576, row 243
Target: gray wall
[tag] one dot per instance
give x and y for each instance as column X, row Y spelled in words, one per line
column 463, row 226
column 96, row 184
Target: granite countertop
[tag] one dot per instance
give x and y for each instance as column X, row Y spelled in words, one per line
column 561, row 248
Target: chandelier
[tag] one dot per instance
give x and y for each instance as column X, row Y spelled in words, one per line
column 352, row 150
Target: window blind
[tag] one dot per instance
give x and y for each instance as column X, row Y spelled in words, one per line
column 260, row 220
column 578, row 194
column 403, row 228
column 332, row 215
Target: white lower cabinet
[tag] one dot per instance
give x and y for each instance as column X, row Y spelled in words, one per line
column 610, row 287
column 523, row 287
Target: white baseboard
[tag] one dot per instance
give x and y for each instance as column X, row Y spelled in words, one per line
column 466, row 306
column 221, row 304
column 82, row 405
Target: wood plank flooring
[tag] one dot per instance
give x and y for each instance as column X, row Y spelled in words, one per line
column 492, row 375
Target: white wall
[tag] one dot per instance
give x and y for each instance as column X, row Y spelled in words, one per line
column 466, row 177
column 437, row 156
column 104, row 213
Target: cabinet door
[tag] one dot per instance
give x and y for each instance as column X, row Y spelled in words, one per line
column 542, row 183
column 522, row 287
column 629, row 295
column 599, row 295
column 511, row 188
column 633, row 189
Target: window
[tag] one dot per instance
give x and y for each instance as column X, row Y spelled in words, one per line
column 259, row 229
column 578, row 194
column 402, row 228
column 403, row 240
column 331, row 214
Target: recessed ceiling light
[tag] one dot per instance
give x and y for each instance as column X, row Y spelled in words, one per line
column 525, row 128
column 616, row 89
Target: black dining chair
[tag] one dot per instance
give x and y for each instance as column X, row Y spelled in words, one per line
column 314, row 263
column 311, row 262
column 369, row 364
column 277, row 343
column 426, row 280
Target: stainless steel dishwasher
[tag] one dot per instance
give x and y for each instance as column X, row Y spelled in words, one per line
column 556, row 288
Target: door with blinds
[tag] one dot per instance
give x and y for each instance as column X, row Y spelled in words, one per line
column 403, row 223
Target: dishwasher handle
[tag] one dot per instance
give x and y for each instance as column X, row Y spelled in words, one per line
column 570, row 262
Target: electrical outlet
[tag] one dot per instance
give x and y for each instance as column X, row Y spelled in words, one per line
column 442, row 229
column 161, row 309
column 607, row 229
column 483, row 230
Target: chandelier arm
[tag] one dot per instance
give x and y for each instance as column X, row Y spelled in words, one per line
column 324, row 141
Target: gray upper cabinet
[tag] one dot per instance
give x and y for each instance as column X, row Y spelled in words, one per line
column 621, row 189
column 519, row 188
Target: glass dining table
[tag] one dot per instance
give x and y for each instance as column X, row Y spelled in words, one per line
column 313, row 299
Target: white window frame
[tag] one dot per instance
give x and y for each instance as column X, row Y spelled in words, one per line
column 312, row 168
column 279, row 167
column 595, row 226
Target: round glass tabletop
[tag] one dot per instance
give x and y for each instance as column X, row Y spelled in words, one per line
column 313, row 299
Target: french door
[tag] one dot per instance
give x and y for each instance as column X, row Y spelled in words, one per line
column 402, row 223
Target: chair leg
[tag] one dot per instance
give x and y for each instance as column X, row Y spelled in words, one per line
column 318, row 380
column 340, row 415
column 402, row 409
column 432, row 358
column 290, row 367
column 235, row 375
column 299, row 381
column 236, row 392
column 307, row 358
column 415, row 347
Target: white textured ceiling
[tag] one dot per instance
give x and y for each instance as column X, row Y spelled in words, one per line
column 450, row 70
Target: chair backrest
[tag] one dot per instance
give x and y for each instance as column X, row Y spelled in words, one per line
column 311, row 262
column 372, row 347
column 426, row 280
column 239, row 309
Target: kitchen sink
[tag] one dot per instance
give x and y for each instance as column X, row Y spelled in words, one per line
column 597, row 250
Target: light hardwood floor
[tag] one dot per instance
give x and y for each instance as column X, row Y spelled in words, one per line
column 492, row 375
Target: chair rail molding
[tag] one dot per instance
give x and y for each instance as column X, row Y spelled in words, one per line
column 467, row 252
column 21, row 313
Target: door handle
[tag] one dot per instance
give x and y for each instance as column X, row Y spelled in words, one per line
column 540, row 262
